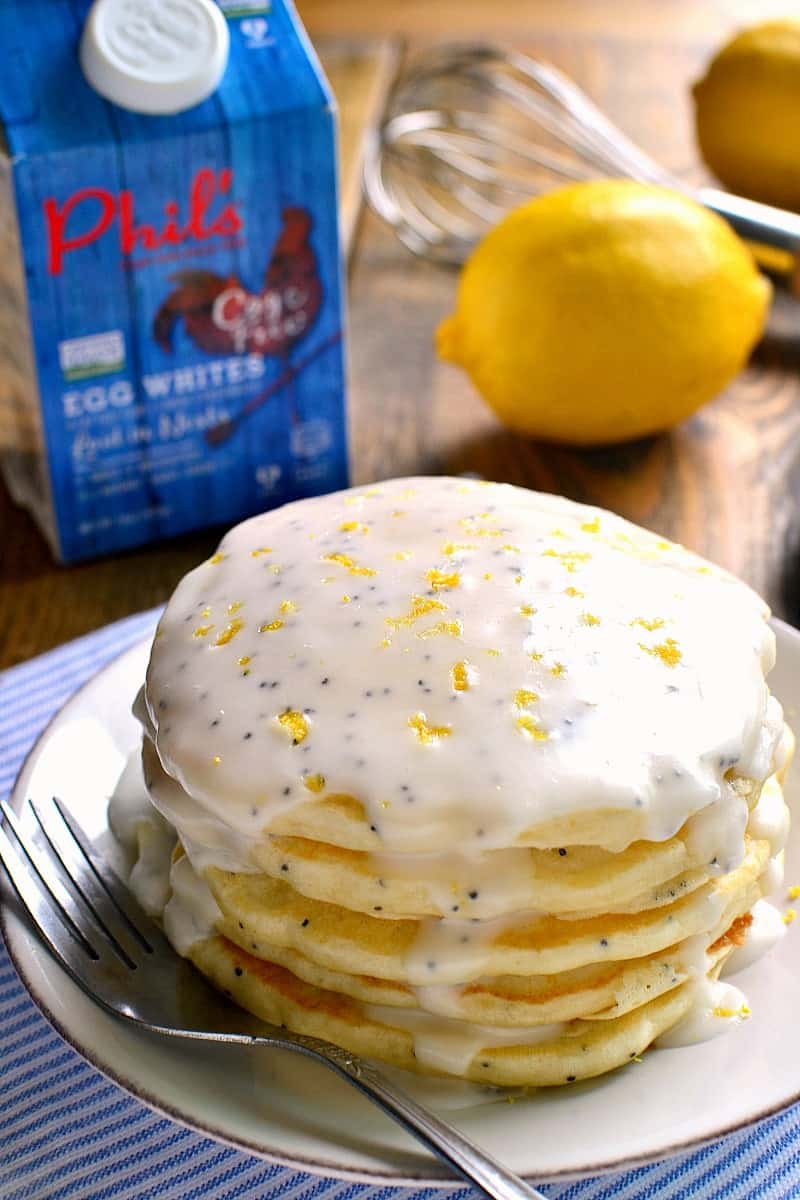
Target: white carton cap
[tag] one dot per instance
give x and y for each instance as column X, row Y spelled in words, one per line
column 154, row 56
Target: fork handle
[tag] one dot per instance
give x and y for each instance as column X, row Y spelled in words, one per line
column 456, row 1150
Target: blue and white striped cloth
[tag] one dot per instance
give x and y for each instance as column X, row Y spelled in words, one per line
column 67, row 1133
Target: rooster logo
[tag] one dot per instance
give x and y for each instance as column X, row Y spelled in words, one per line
column 222, row 317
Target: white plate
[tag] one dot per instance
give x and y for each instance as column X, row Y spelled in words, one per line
column 285, row 1109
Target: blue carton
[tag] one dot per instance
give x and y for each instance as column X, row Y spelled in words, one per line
column 171, row 327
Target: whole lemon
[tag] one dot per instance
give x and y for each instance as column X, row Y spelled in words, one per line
column 747, row 113
column 604, row 311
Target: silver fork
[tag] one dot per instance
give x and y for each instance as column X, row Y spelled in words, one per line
column 97, row 932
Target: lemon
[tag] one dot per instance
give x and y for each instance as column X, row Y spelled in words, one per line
column 604, row 311
column 747, row 113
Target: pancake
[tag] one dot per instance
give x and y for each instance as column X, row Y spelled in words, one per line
column 559, row 1053
column 507, row 1000
column 452, row 951
column 461, row 777
column 578, row 879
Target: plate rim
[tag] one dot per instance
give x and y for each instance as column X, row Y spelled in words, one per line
column 318, row 1166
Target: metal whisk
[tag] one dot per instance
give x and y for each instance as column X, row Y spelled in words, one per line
column 472, row 131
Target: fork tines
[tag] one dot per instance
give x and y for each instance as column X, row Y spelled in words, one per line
column 62, row 881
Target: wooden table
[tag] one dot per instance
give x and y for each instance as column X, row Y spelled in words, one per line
column 726, row 483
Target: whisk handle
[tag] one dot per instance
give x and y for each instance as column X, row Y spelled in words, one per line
column 755, row 222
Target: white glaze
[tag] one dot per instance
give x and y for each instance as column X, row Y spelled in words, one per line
column 192, row 912
column 633, row 722
column 766, row 931
column 715, row 836
column 716, row 1008
column 451, row 952
column 484, row 885
column 772, row 878
column 770, row 817
column 450, row 1046
column 145, row 835
column 207, row 840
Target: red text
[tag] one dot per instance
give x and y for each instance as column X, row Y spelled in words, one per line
column 199, row 224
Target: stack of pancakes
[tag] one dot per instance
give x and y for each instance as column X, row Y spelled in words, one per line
column 464, row 778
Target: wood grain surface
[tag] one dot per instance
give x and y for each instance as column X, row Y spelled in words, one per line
column 726, row 483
